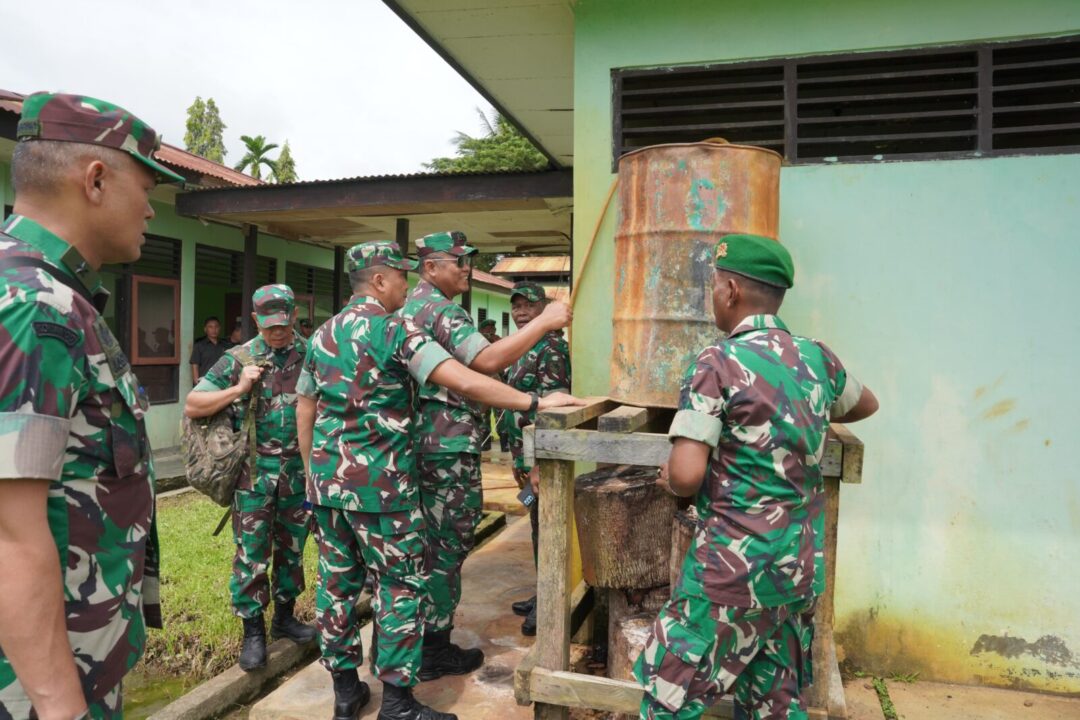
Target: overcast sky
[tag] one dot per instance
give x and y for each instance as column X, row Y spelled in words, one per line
column 351, row 87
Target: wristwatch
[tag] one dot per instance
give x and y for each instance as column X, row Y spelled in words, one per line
column 534, row 404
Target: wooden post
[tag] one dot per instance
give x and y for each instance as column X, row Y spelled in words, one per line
column 247, row 283
column 401, row 234
column 339, row 273
column 553, row 575
column 824, row 652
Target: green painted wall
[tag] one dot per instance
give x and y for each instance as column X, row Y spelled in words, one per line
column 948, row 287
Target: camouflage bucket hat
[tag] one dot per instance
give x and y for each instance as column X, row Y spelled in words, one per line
column 487, row 323
column 377, row 252
column 81, row 119
column 533, row 292
column 756, row 257
column 452, row 242
column 273, row 305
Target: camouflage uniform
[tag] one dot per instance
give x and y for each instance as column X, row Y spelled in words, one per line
column 449, row 440
column 361, row 371
column 544, row 369
column 740, row 616
column 270, row 519
column 72, row 412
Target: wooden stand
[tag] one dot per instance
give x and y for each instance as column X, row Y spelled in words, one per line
column 604, row 432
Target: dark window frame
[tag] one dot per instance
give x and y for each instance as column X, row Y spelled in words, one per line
column 781, row 77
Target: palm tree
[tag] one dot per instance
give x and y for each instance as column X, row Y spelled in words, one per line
column 255, row 158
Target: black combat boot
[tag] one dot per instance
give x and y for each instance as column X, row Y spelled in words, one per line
column 350, row 694
column 522, row 608
column 529, row 626
column 253, row 654
column 285, row 625
column 442, row 657
column 398, row 703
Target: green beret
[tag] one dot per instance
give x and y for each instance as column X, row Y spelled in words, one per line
column 756, row 257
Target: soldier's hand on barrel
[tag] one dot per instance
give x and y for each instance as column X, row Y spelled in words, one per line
column 534, row 480
column 248, row 377
column 521, row 477
column 556, row 315
column 558, row 399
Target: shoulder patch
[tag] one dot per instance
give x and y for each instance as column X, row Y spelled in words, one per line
column 56, row 331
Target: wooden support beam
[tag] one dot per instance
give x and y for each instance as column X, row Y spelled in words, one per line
column 553, row 590
column 623, row 419
column 247, row 280
column 339, row 274
column 401, row 234
column 568, row 417
column 599, row 693
column 852, row 462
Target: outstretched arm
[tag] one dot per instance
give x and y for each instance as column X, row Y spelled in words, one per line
column 503, row 353
column 454, row 376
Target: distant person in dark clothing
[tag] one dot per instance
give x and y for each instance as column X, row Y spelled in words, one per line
column 236, row 337
column 306, row 328
column 207, row 349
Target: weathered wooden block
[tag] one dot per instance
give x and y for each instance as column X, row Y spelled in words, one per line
column 682, row 537
column 624, row 528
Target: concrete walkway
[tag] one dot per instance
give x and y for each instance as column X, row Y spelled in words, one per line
column 494, row 576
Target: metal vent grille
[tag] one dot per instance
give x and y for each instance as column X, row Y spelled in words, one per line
column 947, row 102
column 219, row 266
column 160, row 257
column 1036, row 96
column 887, row 106
column 308, row 280
column 744, row 103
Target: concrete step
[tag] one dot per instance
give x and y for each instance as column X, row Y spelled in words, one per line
column 494, row 576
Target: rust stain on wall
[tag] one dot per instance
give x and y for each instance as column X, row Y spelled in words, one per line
column 998, row 409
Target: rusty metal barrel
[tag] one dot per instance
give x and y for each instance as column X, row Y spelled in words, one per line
column 675, row 202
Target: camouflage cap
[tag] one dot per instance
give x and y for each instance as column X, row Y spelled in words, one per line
column 81, row 119
column 273, row 305
column 452, row 242
column 756, row 257
column 377, row 252
column 487, row 323
column 533, row 292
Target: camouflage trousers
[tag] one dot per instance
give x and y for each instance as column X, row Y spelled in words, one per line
column 452, row 500
column 392, row 546
column 14, row 705
column 267, row 527
column 698, row 651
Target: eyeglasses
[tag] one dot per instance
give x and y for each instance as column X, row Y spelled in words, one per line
column 461, row 261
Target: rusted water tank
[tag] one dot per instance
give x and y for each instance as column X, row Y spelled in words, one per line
column 675, row 201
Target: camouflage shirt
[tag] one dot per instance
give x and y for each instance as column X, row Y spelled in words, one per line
column 544, row 369
column 71, row 411
column 446, row 422
column 360, row 371
column 761, row 399
column 275, row 410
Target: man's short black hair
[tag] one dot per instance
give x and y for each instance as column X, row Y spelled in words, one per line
column 212, row 318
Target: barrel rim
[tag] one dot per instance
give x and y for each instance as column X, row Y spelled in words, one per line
column 702, row 144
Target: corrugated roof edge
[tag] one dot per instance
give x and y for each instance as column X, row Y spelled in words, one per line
column 400, row 176
column 483, row 278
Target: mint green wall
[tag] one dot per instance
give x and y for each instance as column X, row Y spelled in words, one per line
column 948, row 287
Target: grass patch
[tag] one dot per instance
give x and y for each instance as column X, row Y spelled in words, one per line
column 202, row 637
column 887, row 707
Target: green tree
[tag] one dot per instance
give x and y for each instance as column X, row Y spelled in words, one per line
column 256, row 155
column 502, row 148
column 285, row 166
column 205, row 130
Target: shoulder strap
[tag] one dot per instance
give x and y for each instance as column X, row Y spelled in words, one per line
column 52, row 271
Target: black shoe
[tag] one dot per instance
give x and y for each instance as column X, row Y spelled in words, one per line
column 529, row 626
column 522, row 608
column 398, row 703
column 253, row 654
column 442, row 657
column 285, row 625
column 350, row 694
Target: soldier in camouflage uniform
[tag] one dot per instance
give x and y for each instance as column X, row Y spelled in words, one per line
column 270, row 518
column 448, row 434
column 355, row 420
column 748, row 438
column 78, row 566
column 544, row 369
